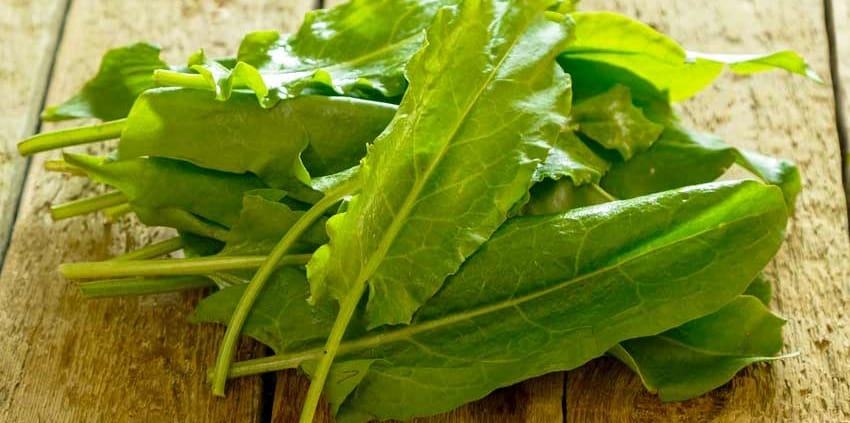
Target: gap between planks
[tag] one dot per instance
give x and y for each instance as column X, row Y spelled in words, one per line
column 19, row 167
column 831, row 22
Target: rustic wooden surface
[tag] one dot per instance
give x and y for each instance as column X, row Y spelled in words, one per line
column 840, row 26
column 66, row 359
column 788, row 117
column 24, row 74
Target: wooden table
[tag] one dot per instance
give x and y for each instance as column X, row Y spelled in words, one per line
column 66, row 359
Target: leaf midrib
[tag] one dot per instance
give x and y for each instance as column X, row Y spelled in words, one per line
column 407, row 206
column 406, row 332
column 322, row 63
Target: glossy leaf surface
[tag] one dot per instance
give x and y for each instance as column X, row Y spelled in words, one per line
column 579, row 299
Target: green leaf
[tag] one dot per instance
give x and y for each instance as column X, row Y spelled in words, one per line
column 359, row 49
column 166, row 192
column 263, row 220
column 705, row 353
column 679, row 158
column 124, row 73
column 557, row 196
column 753, row 63
column 779, row 172
column 315, row 134
column 614, row 122
column 761, row 289
column 625, row 43
column 570, row 157
column 600, row 275
column 683, row 157
column 281, row 319
column 450, row 166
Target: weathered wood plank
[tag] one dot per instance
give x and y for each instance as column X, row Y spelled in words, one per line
column 841, row 29
column 66, row 359
column 786, row 116
column 36, row 25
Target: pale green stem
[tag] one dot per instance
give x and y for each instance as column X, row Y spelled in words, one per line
column 87, row 205
column 142, row 286
column 317, row 382
column 271, row 363
column 59, row 165
column 154, row 250
column 116, row 212
column 72, row 136
column 167, row 78
column 170, row 267
column 228, row 345
column 601, row 191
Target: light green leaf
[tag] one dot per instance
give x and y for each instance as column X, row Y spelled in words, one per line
column 124, row 73
column 450, row 166
column 753, row 63
column 705, row 353
column 628, row 44
column 359, row 49
column 315, row 134
column 570, row 157
column 614, row 122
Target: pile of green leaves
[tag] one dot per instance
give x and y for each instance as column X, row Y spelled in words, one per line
column 420, row 201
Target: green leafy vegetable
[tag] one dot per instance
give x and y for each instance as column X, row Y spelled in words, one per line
column 506, row 183
column 579, row 299
column 703, row 354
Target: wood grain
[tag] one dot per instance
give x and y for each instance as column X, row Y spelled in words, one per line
column 36, row 25
column 785, row 116
column 66, row 359
column 841, row 29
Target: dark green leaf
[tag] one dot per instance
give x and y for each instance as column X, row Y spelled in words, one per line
column 761, row 289
column 263, row 220
column 705, row 353
column 683, row 157
column 557, row 196
column 545, row 293
column 173, row 193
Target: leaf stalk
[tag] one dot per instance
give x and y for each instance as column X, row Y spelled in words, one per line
column 87, row 205
column 227, row 349
column 73, row 136
column 171, row 267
